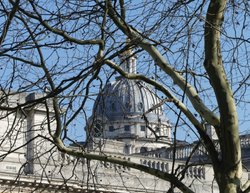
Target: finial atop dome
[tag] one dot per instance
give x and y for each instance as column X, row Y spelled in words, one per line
column 128, row 59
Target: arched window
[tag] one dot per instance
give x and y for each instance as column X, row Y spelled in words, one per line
column 127, row 149
column 98, row 129
column 157, row 130
column 111, row 128
column 127, row 128
column 113, row 107
column 143, row 149
column 140, row 106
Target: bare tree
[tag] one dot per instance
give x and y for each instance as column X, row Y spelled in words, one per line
column 195, row 53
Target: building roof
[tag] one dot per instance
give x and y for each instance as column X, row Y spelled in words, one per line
column 126, row 98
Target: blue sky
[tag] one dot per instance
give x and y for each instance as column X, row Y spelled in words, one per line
column 179, row 33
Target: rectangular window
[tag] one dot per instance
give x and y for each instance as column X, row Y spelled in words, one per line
column 11, row 168
column 111, row 128
column 127, row 128
column 143, row 128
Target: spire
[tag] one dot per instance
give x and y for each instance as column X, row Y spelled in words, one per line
column 128, row 59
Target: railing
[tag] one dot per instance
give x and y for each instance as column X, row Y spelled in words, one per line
column 198, row 172
column 183, row 152
column 159, row 165
column 109, row 165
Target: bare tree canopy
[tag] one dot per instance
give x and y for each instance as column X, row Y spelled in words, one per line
column 194, row 54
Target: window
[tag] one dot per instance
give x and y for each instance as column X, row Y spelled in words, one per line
column 143, row 128
column 127, row 128
column 157, row 129
column 143, row 149
column 97, row 129
column 140, row 106
column 11, row 168
column 126, row 149
column 113, row 107
column 111, row 128
column 128, row 105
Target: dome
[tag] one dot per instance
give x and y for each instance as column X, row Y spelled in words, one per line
column 129, row 110
column 130, row 99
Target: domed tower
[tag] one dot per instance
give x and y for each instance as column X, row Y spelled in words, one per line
column 131, row 112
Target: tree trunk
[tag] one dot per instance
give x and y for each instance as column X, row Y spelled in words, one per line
column 229, row 172
column 229, row 186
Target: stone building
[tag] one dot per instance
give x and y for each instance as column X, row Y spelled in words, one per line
column 128, row 122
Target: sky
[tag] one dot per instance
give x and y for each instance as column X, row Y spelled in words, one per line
column 179, row 33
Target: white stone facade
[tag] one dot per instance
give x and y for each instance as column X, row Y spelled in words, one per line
column 128, row 122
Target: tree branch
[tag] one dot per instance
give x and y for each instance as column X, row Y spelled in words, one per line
column 200, row 128
column 139, row 40
column 8, row 21
column 162, row 175
column 56, row 30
